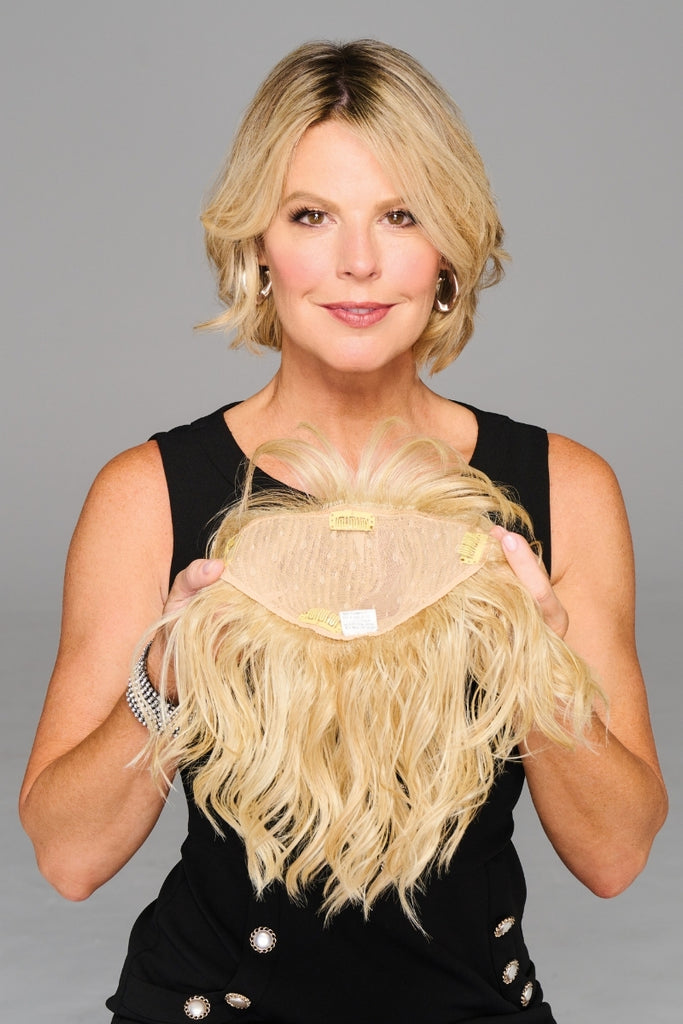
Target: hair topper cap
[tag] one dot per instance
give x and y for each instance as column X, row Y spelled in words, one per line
column 350, row 571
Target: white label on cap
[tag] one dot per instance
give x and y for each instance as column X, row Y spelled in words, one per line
column 358, row 621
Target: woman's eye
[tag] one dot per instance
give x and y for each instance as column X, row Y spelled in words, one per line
column 311, row 217
column 400, row 218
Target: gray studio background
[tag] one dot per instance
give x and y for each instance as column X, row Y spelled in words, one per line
column 116, row 119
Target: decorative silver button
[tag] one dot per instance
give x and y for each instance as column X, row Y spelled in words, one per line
column 511, row 971
column 262, row 939
column 238, row 1001
column 527, row 993
column 197, row 1007
column 503, row 927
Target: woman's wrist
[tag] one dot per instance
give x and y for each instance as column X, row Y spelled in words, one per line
column 144, row 700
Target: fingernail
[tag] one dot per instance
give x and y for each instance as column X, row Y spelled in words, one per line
column 509, row 541
column 210, row 566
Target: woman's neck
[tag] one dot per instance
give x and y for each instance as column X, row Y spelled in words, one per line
column 346, row 409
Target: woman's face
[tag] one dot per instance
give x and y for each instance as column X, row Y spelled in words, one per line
column 353, row 276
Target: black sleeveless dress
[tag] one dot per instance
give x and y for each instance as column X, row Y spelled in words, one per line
column 207, row 949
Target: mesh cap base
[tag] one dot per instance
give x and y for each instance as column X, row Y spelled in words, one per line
column 347, row 571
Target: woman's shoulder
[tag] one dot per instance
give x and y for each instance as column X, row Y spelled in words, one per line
column 589, row 521
column 564, row 450
column 567, row 459
column 134, row 485
column 127, row 503
column 135, row 473
column 579, row 474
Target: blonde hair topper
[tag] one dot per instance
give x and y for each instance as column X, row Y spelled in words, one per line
column 361, row 764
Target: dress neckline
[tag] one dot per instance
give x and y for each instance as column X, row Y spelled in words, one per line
column 479, row 443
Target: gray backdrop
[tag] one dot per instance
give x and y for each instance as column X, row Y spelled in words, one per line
column 116, row 118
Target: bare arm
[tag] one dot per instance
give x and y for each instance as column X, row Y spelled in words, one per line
column 84, row 808
column 600, row 806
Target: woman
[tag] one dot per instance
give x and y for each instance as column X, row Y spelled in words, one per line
column 352, row 229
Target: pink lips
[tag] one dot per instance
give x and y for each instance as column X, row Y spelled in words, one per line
column 356, row 314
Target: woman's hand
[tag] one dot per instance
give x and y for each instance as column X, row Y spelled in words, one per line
column 187, row 584
column 531, row 572
column 198, row 574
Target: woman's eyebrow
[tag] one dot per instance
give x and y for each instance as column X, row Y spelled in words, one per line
column 309, row 197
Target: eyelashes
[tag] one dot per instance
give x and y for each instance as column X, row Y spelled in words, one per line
column 312, row 217
column 405, row 216
column 317, row 217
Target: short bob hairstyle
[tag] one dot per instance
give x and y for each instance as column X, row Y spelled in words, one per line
column 405, row 117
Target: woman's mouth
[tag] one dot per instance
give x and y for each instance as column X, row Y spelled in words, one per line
column 358, row 314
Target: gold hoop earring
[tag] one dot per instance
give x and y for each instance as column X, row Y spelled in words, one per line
column 266, row 285
column 447, row 289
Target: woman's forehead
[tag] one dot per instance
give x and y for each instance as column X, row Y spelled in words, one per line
column 332, row 157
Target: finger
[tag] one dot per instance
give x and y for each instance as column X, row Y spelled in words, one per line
column 531, row 573
column 198, row 574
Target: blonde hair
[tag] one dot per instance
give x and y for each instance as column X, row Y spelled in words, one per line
column 407, row 119
column 363, row 762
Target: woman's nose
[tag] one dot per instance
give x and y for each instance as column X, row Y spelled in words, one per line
column 358, row 254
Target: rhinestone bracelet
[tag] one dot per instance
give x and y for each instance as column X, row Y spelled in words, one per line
column 140, row 693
